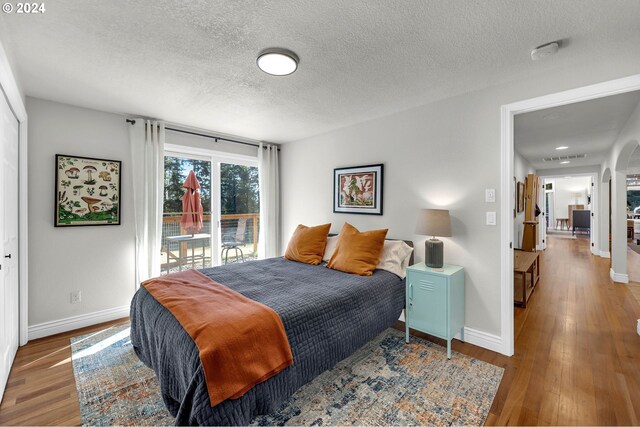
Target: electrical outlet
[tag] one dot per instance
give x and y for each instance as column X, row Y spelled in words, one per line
column 490, row 195
column 76, row 297
column 638, row 326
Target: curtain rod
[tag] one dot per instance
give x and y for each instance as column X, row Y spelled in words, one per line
column 216, row 138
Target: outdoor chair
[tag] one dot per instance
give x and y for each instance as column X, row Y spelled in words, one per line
column 234, row 241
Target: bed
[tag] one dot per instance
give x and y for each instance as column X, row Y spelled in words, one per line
column 327, row 315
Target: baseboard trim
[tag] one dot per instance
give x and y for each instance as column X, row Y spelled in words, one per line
column 605, row 254
column 483, row 339
column 479, row 338
column 618, row 277
column 46, row 329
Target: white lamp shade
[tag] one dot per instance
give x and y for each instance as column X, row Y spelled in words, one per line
column 434, row 222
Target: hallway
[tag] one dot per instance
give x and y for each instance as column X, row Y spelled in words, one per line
column 577, row 355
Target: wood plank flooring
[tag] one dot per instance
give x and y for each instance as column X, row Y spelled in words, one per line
column 577, row 358
column 42, row 389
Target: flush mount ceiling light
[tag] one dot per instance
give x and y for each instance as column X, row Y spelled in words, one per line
column 562, row 147
column 278, row 62
column 565, row 162
column 545, row 50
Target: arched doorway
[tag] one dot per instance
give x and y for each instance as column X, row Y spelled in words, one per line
column 619, row 212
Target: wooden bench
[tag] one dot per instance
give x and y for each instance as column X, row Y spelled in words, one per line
column 525, row 264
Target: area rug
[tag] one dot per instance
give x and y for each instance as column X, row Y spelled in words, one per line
column 386, row 382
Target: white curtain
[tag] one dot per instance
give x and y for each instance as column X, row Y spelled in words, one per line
column 269, row 181
column 147, row 166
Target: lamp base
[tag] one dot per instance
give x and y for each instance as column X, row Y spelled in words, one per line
column 434, row 253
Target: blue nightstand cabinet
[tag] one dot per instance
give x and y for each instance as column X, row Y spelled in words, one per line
column 435, row 301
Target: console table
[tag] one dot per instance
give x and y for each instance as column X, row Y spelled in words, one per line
column 525, row 263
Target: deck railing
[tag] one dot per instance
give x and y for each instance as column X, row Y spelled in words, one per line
column 228, row 226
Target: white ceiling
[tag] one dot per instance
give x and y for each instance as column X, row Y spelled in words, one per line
column 634, row 160
column 193, row 62
column 588, row 127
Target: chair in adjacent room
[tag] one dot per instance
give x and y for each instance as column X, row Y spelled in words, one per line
column 234, row 241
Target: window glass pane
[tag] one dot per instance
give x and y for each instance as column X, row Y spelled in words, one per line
column 184, row 248
column 240, row 212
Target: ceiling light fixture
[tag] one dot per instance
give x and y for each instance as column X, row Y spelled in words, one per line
column 565, row 162
column 562, row 147
column 278, row 62
column 545, row 50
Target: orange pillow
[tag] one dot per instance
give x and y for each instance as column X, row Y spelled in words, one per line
column 357, row 252
column 307, row 244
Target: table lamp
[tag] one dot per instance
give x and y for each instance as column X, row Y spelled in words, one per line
column 434, row 222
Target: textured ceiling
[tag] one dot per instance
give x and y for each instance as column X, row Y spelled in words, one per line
column 194, row 62
column 634, row 160
column 588, row 127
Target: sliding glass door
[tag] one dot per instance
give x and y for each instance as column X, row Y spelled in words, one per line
column 229, row 195
column 185, row 245
column 239, row 212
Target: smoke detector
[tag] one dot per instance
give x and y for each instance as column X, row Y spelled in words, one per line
column 545, row 50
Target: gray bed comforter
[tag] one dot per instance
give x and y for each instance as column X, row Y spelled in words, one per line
column 327, row 316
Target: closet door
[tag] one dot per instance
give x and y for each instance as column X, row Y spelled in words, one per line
column 9, row 292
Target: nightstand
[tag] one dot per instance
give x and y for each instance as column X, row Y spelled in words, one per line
column 435, row 301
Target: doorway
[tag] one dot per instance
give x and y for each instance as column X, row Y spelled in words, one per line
column 9, row 238
column 569, row 201
column 508, row 113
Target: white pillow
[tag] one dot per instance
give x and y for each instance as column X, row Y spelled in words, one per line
column 395, row 257
column 330, row 248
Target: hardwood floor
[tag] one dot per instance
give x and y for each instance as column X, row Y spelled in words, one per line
column 42, row 389
column 577, row 355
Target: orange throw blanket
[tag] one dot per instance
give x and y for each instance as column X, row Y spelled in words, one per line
column 242, row 342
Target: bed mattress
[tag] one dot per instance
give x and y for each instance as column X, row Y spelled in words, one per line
column 327, row 315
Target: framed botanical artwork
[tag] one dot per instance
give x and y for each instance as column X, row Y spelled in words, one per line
column 87, row 191
column 520, row 196
column 358, row 189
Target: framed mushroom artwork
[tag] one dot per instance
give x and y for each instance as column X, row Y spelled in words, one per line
column 87, row 191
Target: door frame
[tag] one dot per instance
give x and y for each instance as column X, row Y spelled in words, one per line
column 594, row 237
column 14, row 97
column 507, row 114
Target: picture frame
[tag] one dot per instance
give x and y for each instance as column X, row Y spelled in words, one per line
column 358, row 189
column 87, row 191
column 520, row 204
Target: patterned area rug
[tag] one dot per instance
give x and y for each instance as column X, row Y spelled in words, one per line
column 114, row 386
column 386, row 382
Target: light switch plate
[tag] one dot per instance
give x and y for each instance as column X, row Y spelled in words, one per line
column 491, row 218
column 490, row 195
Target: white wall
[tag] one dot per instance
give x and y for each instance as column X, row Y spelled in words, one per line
column 566, row 189
column 617, row 163
column 194, row 141
column 7, row 65
column 521, row 168
column 96, row 260
column 439, row 155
